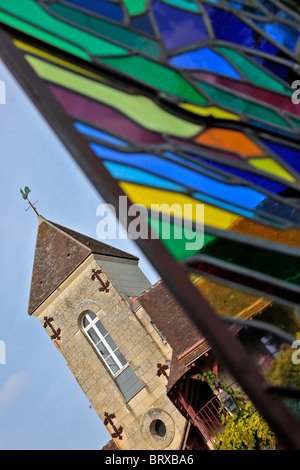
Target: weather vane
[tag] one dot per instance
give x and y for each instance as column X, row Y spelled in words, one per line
column 25, row 196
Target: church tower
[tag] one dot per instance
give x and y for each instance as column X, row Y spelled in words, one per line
column 83, row 292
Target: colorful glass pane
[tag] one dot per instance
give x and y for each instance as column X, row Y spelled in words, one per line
column 186, row 102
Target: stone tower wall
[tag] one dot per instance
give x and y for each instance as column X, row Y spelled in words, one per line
column 138, row 341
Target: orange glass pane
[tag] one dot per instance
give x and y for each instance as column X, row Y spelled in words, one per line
column 233, row 141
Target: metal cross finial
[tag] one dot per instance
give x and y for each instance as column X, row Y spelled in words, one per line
column 104, row 285
column 25, row 196
column 109, row 420
column 161, row 370
column 48, row 322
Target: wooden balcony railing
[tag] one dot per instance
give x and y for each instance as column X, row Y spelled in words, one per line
column 210, row 416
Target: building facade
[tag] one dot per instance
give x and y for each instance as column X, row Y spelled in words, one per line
column 132, row 349
column 83, row 292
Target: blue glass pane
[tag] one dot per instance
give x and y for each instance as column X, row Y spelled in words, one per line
column 278, row 69
column 100, row 7
column 283, row 211
column 195, row 165
column 87, row 130
column 271, row 128
column 224, row 23
column 172, row 21
column 143, row 24
column 247, row 8
column 288, row 154
column 204, row 59
column 224, row 205
column 265, row 183
column 243, row 196
column 277, row 11
column 127, row 173
column 282, row 33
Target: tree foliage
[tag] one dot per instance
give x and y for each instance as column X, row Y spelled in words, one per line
column 245, row 429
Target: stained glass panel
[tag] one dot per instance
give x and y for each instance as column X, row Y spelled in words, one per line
column 200, row 117
column 181, row 103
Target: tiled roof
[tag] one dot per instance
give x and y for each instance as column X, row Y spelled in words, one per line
column 180, row 331
column 95, row 246
column 169, row 317
column 58, row 252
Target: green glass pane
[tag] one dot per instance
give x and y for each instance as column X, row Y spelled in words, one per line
column 296, row 122
column 233, row 102
column 34, row 12
column 278, row 265
column 42, row 35
column 293, row 404
column 253, row 72
column 187, row 4
column 139, row 108
column 157, row 75
column 107, row 29
column 135, row 7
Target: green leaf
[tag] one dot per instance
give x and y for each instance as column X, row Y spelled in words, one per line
column 25, row 192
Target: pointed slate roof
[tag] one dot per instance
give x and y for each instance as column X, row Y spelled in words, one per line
column 58, row 252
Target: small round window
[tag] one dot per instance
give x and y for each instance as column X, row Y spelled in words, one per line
column 158, row 428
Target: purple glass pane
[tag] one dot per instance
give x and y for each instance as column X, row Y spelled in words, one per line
column 104, row 116
column 172, row 22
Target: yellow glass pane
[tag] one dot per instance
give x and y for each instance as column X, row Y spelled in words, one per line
column 149, row 197
column 210, row 111
column 56, row 60
column 137, row 107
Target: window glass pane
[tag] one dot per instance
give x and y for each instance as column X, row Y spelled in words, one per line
column 85, row 321
column 106, row 346
column 103, row 351
column 120, row 357
column 101, row 328
column 128, row 383
column 91, row 315
column 112, row 364
column 95, row 337
column 111, row 343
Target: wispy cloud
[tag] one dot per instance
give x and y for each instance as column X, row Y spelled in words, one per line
column 11, row 388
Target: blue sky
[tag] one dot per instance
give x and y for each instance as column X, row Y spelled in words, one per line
column 41, row 405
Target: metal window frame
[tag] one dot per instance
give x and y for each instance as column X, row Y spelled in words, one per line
column 92, row 324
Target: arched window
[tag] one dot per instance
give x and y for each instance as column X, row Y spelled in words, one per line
column 116, row 363
column 106, row 346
